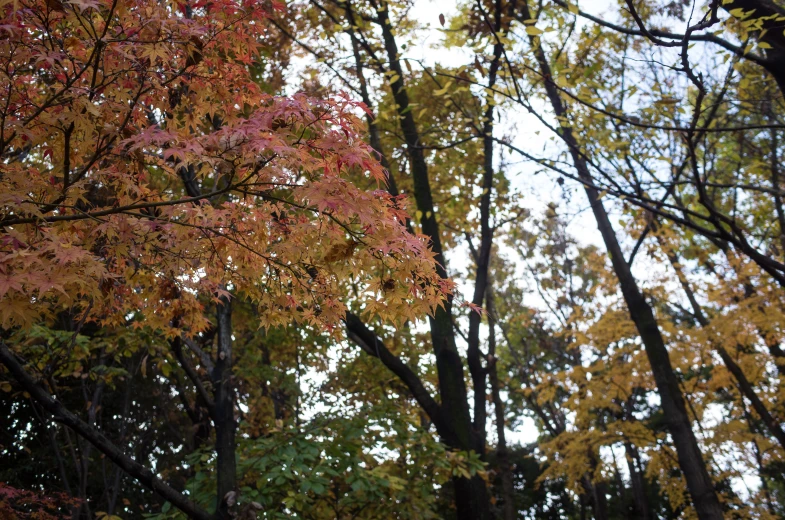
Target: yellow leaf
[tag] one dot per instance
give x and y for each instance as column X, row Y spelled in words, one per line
column 442, row 91
column 533, row 31
column 740, row 14
column 562, row 81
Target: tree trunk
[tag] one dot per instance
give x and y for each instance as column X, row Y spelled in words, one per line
column 640, row 500
column 699, row 483
column 225, row 425
column 471, row 496
column 502, row 454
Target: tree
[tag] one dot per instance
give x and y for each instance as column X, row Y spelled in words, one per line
column 149, row 179
column 225, row 281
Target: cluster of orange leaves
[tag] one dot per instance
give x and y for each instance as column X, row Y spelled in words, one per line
column 145, row 173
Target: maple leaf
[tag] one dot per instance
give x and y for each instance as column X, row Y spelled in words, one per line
column 9, row 282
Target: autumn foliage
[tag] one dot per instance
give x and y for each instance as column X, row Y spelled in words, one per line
column 145, row 168
column 20, row 504
column 373, row 259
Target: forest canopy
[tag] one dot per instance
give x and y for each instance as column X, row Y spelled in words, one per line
column 372, row 259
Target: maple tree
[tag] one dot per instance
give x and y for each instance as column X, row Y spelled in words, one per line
column 148, row 177
column 267, row 260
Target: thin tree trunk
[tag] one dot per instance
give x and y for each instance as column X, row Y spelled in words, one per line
column 471, row 496
column 225, row 425
column 554, row 424
column 696, row 474
column 641, row 501
column 115, row 487
column 595, row 491
column 502, row 454
column 775, row 184
column 759, row 460
column 86, row 448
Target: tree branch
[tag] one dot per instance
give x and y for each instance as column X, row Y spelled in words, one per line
column 142, row 474
column 370, row 343
column 177, row 348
